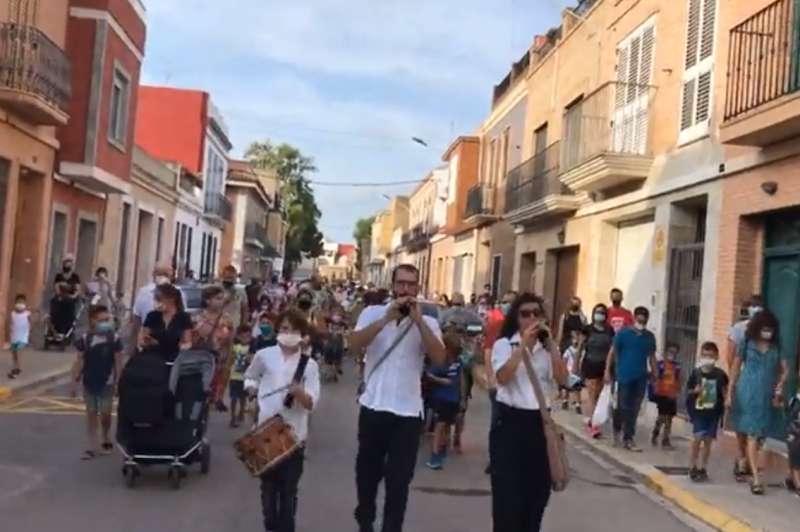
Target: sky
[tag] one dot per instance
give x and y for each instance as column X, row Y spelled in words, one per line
column 348, row 82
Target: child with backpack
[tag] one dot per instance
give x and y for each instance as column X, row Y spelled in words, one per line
column 446, row 398
column 666, row 389
column 97, row 367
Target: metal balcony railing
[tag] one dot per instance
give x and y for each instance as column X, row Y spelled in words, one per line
column 763, row 58
column 535, row 179
column 613, row 119
column 476, row 203
column 31, row 63
column 217, row 205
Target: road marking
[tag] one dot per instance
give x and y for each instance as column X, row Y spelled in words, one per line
column 51, row 405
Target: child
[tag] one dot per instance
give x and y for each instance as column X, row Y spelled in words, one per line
column 266, row 334
column 334, row 346
column 793, row 443
column 446, row 397
column 98, row 367
column 570, row 356
column 666, row 389
column 705, row 402
column 241, row 359
column 20, row 332
column 467, row 359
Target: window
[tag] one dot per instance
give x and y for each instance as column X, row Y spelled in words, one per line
column 159, row 239
column 632, row 96
column 539, row 145
column 506, row 147
column 118, row 114
column 698, row 69
column 492, row 161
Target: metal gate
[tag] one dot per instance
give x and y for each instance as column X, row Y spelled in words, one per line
column 683, row 306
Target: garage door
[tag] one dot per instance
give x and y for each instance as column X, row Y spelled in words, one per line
column 634, row 271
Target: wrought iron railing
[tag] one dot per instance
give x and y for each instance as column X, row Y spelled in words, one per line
column 763, row 58
column 476, row 202
column 30, row 62
column 218, row 205
column 613, row 119
column 535, row 179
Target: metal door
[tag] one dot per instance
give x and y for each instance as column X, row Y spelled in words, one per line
column 683, row 305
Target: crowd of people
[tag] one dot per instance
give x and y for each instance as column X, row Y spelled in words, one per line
column 415, row 369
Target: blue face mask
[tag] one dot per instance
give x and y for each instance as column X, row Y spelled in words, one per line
column 505, row 308
column 104, row 327
column 266, row 330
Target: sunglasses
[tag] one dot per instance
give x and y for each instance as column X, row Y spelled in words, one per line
column 525, row 313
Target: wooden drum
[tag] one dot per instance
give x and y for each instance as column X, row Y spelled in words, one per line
column 267, row 445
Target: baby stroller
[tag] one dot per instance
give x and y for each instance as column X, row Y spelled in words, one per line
column 163, row 414
column 60, row 325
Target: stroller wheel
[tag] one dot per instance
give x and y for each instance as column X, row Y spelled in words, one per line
column 130, row 473
column 205, row 458
column 175, row 475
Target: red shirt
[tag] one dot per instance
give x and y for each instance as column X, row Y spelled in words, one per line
column 494, row 322
column 619, row 318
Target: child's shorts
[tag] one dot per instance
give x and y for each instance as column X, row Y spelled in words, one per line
column 666, row 406
column 18, row 346
column 236, row 390
column 705, row 426
column 446, row 411
column 99, row 403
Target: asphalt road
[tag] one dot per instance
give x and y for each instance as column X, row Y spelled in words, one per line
column 45, row 487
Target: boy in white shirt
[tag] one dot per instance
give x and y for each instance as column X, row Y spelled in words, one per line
column 571, row 357
column 20, row 332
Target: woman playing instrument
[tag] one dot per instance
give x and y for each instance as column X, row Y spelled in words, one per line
column 274, row 377
column 520, row 470
column 214, row 329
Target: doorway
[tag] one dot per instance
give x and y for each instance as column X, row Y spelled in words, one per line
column 497, row 263
column 566, row 281
column 143, row 260
column 27, row 254
column 87, row 245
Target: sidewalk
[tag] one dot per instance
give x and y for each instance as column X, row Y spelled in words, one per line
column 721, row 503
column 38, row 367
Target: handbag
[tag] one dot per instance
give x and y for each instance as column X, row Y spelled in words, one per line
column 556, row 444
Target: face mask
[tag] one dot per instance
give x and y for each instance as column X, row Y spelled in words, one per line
column 753, row 310
column 68, row 267
column 599, row 317
column 505, row 308
column 641, row 323
column 766, row 335
column 104, row 326
column 20, row 306
column 706, row 362
column 304, row 304
column 227, row 284
column 266, row 330
column 290, row 340
column 162, row 280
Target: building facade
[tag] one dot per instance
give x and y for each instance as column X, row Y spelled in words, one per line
column 380, row 249
column 185, row 127
column 31, row 108
column 416, row 239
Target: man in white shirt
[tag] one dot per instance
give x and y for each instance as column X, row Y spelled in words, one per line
column 391, row 405
column 144, row 303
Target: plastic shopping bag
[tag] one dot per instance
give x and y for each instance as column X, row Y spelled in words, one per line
column 603, row 408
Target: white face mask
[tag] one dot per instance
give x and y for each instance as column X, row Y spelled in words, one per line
column 20, row 306
column 705, row 362
column 290, row 340
column 162, row 280
column 766, row 335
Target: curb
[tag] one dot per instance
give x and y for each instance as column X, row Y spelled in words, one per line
column 660, row 483
column 6, row 392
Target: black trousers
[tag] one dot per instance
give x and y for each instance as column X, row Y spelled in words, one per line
column 520, row 470
column 279, row 494
column 387, row 449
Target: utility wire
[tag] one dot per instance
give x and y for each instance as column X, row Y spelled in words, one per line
column 375, row 184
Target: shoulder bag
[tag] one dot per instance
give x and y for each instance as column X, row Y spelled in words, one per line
column 362, row 386
column 556, row 444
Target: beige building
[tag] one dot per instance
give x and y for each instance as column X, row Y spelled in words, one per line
column 397, row 221
column 380, row 248
column 421, row 226
column 138, row 230
column 619, row 181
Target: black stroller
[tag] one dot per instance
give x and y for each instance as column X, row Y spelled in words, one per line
column 62, row 321
column 163, row 414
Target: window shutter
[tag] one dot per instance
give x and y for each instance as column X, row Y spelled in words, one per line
column 687, row 118
column 707, row 34
column 692, row 33
column 696, row 98
column 703, row 97
column 648, row 49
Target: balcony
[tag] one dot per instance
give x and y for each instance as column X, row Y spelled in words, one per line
column 606, row 138
column 480, row 206
column 255, row 234
column 217, row 207
column 35, row 74
column 534, row 190
column 762, row 99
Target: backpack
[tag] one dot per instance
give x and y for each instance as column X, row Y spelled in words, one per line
column 98, row 360
column 144, row 391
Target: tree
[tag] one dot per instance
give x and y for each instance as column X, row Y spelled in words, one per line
column 303, row 237
column 362, row 231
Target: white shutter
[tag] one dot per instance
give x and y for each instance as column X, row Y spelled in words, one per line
column 696, row 98
column 635, row 57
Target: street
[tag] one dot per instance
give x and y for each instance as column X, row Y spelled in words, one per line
column 45, row 486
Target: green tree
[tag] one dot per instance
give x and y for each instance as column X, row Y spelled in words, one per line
column 362, row 231
column 303, row 237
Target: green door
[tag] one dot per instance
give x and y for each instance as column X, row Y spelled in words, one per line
column 782, row 293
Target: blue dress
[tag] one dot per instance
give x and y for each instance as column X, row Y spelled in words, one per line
column 752, row 411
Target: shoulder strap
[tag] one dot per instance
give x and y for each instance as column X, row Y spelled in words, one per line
column 385, row 355
column 297, row 378
column 537, row 387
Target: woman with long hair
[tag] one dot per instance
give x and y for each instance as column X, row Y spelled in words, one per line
column 214, row 330
column 597, row 340
column 520, row 470
column 755, row 395
column 168, row 328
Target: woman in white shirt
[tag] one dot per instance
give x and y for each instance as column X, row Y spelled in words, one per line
column 270, row 377
column 517, row 447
